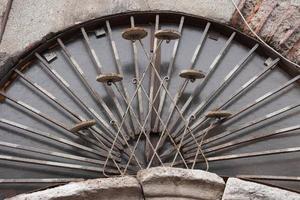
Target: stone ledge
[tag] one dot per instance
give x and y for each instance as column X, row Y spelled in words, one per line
column 105, row 189
column 163, row 183
column 237, row 189
column 170, row 183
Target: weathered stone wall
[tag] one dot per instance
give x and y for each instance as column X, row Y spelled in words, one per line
column 276, row 21
column 163, row 184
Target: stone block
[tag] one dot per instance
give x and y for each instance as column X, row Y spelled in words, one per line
column 237, row 189
column 164, row 183
column 122, row 188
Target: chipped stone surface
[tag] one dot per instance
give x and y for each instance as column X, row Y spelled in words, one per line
column 237, row 189
column 168, row 183
column 122, row 188
column 163, row 183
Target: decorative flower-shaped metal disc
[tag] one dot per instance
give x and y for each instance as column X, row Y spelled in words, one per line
column 109, row 78
column 134, row 33
column 167, row 35
column 191, row 74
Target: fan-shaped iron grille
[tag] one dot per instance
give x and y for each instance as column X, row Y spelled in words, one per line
column 90, row 103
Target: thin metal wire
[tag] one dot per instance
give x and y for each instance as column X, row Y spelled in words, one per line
column 169, row 73
column 120, row 71
column 139, row 83
column 170, row 96
column 142, row 127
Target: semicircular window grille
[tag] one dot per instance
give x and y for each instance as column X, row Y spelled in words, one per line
column 120, row 94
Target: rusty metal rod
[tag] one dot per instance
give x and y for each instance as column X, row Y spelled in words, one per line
column 212, row 96
column 48, row 119
column 50, row 136
column 120, row 70
column 257, row 101
column 40, row 180
column 54, row 164
column 195, row 55
column 242, row 89
column 95, row 95
column 51, row 153
column 137, row 74
column 198, row 89
column 169, row 73
column 98, row 64
column 142, row 126
column 66, row 86
column 270, row 177
column 245, row 125
column 244, row 155
column 200, row 108
column 77, row 118
column 156, row 59
column 246, row 140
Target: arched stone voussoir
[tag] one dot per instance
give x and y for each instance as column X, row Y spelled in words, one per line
column 162, row 183
column 119, row 188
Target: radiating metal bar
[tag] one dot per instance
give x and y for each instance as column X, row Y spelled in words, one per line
column 50, row 136
column 156, row 59
column 244, row 155
column 172, row 109
column 40, row 180
column 170, row 96
column 54, row 164
column 194, row 58
column 137, row 74
column 265, row 96
column 254, row 154
column 98, row 64
column 139, row 84
column 243, row 126
column 95, row 95
column 180, row 143
column 213, row 94
column 198, row 89
column 51, row 153
column 91, row 51
column 246, row 140
column 169, row 73
column 66, row 86
column 48, row 119
column 142, row 127
column 77, row 118
column 200, row 108
column 119, row 69
column 171, row 139
column 257, row 101
column 270, row 177
column 243, row 88
column 200, row 45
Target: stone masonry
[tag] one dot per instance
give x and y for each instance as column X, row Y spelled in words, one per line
column 161, row 183
column 276, row 21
